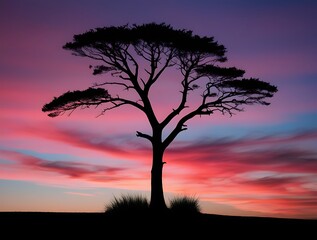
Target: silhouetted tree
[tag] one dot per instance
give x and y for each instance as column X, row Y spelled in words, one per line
column 131, row 52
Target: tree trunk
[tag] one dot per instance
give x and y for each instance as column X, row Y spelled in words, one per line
column 157, row 202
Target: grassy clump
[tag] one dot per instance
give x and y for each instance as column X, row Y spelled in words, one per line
column 129, row 204
column 185, row 205
column 139, row 205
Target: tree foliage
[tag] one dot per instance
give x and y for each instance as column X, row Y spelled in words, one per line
column 69, row 101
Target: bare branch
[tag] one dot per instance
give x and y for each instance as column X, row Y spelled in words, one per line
column 166, row 65
column 186, row 87
column 143, row 135
column 126, row 86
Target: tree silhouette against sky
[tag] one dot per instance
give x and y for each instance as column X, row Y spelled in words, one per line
column 137, row 57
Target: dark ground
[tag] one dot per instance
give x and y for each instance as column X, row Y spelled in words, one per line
column 29, row 225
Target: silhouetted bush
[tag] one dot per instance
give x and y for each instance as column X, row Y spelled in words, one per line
column 184, row 205
column 128, row 204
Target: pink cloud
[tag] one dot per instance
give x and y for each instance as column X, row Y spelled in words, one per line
column 266, row 152
column 94, row 142
column 250, row 174
column 265, row 173
column 70, row 169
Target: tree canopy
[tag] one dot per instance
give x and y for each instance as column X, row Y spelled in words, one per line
column 160, row 44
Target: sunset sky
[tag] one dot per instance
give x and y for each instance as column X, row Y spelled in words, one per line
column 260, row 162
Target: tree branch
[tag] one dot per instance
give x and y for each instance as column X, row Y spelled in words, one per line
column 126, row 86
column 143, row 135
column 188, row 67
column 180, row 126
